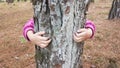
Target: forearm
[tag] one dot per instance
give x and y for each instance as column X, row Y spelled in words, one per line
column 90, row 32
column 89, row 24
column 30, row 34
column 29, row 26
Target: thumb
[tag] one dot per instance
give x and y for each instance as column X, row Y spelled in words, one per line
column 40, row 33
column 81, row 30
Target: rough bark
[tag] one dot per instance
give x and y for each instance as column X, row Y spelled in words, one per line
column 115, row 10
column 59, row 19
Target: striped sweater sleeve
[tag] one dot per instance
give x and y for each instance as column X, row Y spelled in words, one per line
column 28, row 26
column 91, row 25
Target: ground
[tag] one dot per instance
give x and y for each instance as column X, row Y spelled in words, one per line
column 15, row 52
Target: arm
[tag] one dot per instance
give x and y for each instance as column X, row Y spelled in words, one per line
column 90, row 25
column 29, row 26
column 85, row 33
column 80, row 35
column 36, row 38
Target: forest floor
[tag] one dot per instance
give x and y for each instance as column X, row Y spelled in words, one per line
column 15, row 52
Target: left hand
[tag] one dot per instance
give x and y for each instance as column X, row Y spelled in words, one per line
column 82, row 34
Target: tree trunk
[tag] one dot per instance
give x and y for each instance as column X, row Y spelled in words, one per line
column 59, row 19
column 115, row 10
column 87, row 4
column 18, row 0
column 25, row 0
column 9, row 1
column 92, row 1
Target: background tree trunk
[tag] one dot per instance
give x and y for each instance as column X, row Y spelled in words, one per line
column 9, row 1
column 87, row 4
column 115, row 10
column 25, row 0
column 60, row 19
column 93, row 1
column 18, row 0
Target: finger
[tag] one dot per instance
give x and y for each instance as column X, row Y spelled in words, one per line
column 46, row 42
column 82, row 34
column 40, row 33
column 43, row 38
column 43, row 45
column 77, row 39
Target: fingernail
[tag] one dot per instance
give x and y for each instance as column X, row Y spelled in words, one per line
column 78, row 31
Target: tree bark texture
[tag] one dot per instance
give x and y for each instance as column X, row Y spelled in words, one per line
column 115, row 10
column 60, row 19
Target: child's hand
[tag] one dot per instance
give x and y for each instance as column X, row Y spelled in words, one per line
column 38, row 38
column 82, row 34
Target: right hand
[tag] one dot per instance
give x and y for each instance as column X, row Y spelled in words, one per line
column 38, row 39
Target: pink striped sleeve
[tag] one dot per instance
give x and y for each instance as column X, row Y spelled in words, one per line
column 90, row 24
column 28, row 26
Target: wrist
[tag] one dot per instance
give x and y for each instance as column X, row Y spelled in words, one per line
column 91, row 25
column 90, row 32
column 30, row 35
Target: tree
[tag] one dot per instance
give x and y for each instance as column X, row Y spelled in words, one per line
column 115, row 10
column 9, row 1
column 18, row 0
column 60, row 19
column 87, row 4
